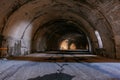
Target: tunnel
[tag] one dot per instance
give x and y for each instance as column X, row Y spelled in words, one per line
column 59, row 39
column 61, row 35
column 67, row 26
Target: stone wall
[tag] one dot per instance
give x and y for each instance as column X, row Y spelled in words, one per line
column 24, row 22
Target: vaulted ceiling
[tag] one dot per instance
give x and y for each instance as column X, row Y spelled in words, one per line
column 28, row 26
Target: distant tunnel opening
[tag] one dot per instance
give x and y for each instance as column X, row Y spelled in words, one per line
column 62, row 35
column 74, row 42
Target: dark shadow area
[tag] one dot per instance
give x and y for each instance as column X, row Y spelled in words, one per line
column 53, row 59
column 54, row 76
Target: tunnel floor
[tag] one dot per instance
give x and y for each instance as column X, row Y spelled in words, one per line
column 54, row 57
column 64, row 67
column 28, row 70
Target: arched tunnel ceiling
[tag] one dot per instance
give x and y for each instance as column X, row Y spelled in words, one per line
column 21, row 19
column 55, row 30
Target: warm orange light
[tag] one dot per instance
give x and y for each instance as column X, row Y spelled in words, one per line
column 3, row 48
column 64, row 45
column 72, row 46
